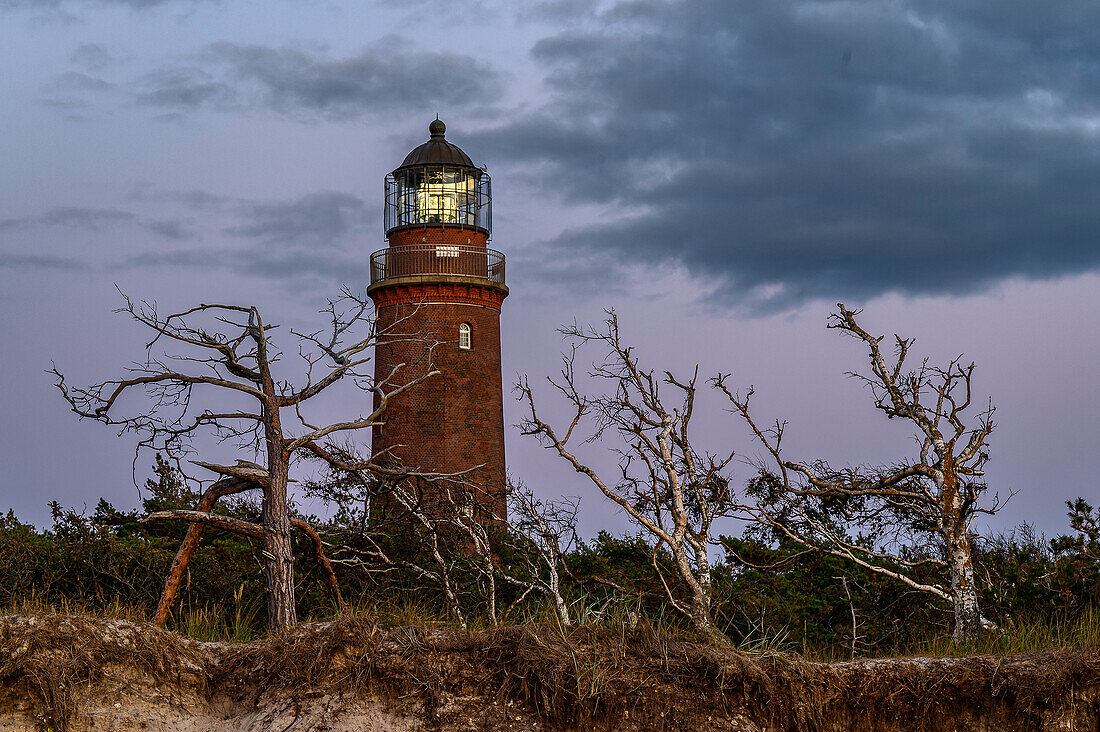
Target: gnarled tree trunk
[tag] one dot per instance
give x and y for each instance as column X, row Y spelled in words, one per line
column 960, row 567
column 968, row 616
column 224, row 487
column 278, row 553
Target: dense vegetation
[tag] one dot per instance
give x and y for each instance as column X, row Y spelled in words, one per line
column 768, row 596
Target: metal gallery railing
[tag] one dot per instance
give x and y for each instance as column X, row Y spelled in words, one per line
column 459, row 260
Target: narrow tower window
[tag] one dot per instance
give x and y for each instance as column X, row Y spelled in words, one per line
column 464, row 336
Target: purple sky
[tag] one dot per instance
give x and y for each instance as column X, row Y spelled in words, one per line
column 718, row 172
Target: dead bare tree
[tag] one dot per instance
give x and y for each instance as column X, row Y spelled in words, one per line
column 383, row 524
column 223, row 384
column 534, row 534
column 665, row 485
column 935, row 494
column 540, row 533
column 451, row 542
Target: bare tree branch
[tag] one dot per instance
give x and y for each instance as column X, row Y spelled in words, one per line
column 226, row 523
column 666, row 486
column 933, row 495
column 227, row 355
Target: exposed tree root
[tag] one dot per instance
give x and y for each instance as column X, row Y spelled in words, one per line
column 64, row 672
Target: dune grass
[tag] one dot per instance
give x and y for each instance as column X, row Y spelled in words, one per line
column 1028, row 635
column 241, row 622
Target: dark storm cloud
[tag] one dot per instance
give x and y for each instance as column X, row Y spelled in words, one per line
column 823, row 149
column 295, row 82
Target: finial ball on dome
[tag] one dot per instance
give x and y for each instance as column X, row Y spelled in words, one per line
column 437, row 127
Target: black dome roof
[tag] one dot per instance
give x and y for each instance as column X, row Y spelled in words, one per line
column 437, row 151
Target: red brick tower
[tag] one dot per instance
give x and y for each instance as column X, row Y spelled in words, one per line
column 437, row 291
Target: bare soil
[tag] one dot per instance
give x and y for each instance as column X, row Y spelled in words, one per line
column 74, row 673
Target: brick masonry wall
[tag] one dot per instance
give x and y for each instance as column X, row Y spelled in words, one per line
column 454, row 420
column 452, row 236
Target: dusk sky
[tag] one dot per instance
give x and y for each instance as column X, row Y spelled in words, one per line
column 721, row 172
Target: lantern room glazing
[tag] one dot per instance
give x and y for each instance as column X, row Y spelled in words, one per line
column 438, row 185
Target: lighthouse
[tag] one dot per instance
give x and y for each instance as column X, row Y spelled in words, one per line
column 437, row 290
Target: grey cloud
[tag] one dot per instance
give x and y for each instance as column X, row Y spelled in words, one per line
column 85, row 218
column 304, row 238
column 169, row 229
column 183, row 87
column 316, row 221
column 320, row 219
column 93, row 219
column 65, row 104
column 294, row 81
column 171, row 118
column 261, row 261
column 205, row 259
column 92, row 57
column 448, row 12
column 6, row 224
column 39, row 261
column 581, row 273
column 88, row 218
column 201, row 200
column 64, row 4
column 825, row 149
column 558, row 11
column 292, row 265
column 70, row 92
column 76, row 81
column 193, row 200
